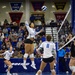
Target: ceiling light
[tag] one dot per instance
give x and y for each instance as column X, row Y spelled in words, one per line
column 6, row 12
column 22, row 11
column 3, row 6
column 51, row 18
column 21, row 6
column 53, row 6
column 52, row 11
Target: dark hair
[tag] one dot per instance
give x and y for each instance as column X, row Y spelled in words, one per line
column 31, row 23
column 48, row 37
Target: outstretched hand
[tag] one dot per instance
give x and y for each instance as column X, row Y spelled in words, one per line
column 26, row 23
column 42, row 30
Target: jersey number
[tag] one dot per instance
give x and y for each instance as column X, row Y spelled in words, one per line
column 47, row 46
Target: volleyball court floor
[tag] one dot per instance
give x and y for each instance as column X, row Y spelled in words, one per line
column 45, row 73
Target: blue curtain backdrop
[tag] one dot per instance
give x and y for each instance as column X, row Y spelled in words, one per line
column 73, row 16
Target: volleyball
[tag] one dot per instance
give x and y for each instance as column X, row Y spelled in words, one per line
column 44, row 8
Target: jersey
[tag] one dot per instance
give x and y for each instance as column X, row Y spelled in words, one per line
column 31, row 31
column 48, row 48
column 8, row 55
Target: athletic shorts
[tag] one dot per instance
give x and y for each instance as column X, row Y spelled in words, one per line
column 48, row 60
column 28, row 41
column 4, row 59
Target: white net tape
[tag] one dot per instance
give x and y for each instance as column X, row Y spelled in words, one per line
column 64, row 19
column 67, row 43
column 61, row 30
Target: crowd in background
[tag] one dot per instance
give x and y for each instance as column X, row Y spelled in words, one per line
column 18, row 33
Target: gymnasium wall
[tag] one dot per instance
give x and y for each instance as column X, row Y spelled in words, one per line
column 49, row 15
column 17, row 66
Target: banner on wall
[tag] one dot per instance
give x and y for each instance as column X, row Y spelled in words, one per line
column 60, row 5
column 15, row 5
column 73, row 16
column 60, row 15
column 17, row 65
column 15, row 16
column 18, row 62
column 37, row 5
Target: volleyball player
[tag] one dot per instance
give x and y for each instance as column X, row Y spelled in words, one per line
column 49, row 49
column 72, row 60
column 7, row 55
column 29, row 46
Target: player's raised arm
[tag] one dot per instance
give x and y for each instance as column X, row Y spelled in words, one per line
column 39, row 31
column 27, row 25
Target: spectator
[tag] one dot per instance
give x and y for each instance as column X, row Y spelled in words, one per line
column 19, row 43
column 14, row 38
column 61, row 55
column 1, row 36
column 22, row 48
column 5, row 31
column 67, row 52
column 69, row 37
column 43, row 38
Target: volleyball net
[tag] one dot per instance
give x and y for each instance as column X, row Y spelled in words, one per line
column 64, row 34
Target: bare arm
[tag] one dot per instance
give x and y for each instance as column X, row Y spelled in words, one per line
column 39, row 51
column 3, row 54
column 27, row 26
column 54, row 52
column 10, row 48
column 39, row 31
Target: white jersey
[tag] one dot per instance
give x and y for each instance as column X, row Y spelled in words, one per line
column 8, row 54
column 48, row 48
column 31, row 31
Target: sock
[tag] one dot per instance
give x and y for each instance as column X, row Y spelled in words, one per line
column 24, row 62
column 8, row 72
column 33, row 63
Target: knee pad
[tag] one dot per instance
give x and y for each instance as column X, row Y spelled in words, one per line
column 40, row 71
column 72, row 68
column 10, row 66
column 25, row 55
column 53, row 70
column 31, row 55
